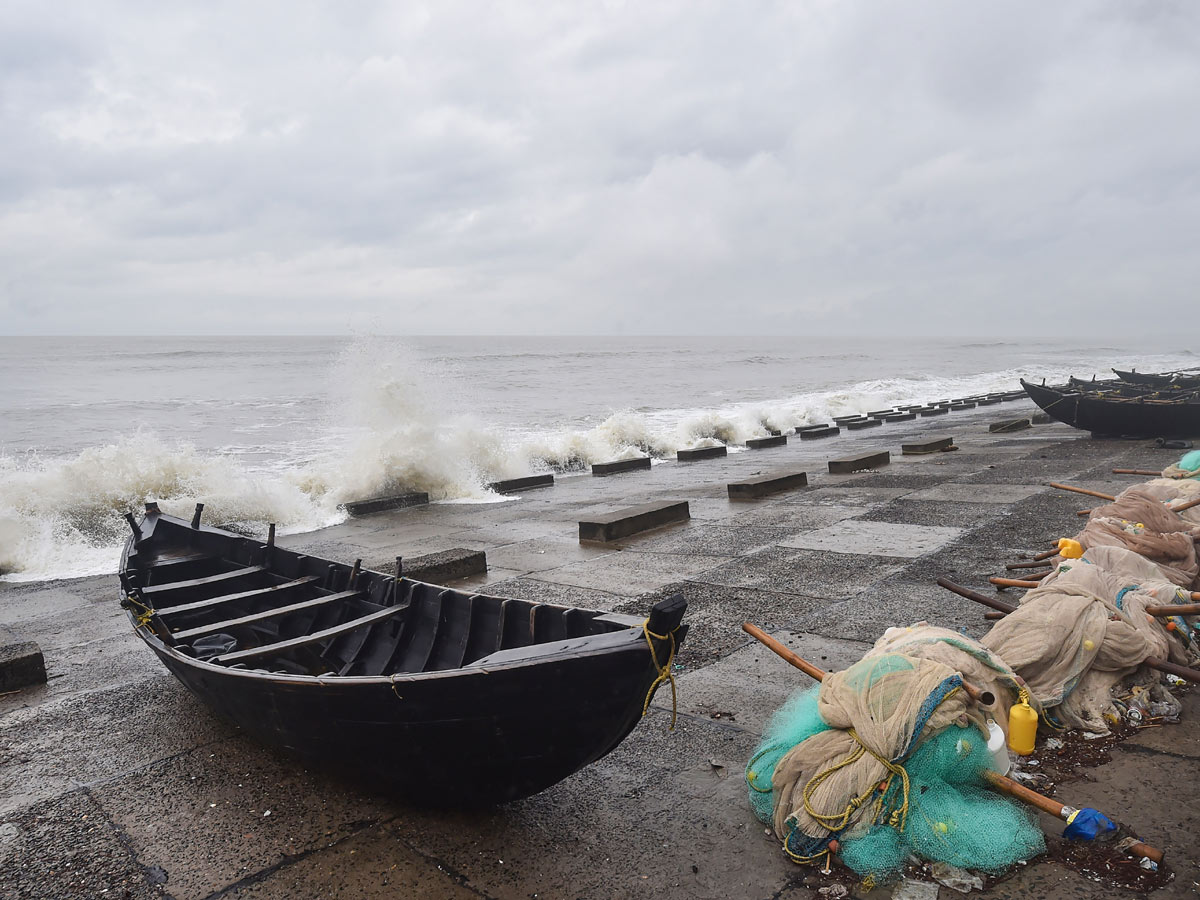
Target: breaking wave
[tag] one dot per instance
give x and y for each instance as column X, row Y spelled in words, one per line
column 388, row 430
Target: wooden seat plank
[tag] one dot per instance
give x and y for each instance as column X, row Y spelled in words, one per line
column 214, row 627
column 201, row 582
column 305, row 639
column 243, row 595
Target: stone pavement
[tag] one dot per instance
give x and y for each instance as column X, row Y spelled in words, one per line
column 115, row 782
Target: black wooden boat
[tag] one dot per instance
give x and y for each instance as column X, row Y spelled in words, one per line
column 440, row 695
column 1148, row 414
column 1185, row 379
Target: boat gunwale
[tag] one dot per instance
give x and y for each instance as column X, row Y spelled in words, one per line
column 626, row 639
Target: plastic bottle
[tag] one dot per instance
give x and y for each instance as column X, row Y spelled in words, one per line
column 1022, row 726
column 1000, row 761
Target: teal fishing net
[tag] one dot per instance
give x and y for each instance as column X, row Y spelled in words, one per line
column 951, row 816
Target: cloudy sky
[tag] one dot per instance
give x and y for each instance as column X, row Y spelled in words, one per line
column 645, row 167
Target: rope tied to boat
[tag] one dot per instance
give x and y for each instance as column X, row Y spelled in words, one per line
column 143, row 613
column 664, row 671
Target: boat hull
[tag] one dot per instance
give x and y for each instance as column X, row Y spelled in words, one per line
column 440, row 696
column 1132, row 417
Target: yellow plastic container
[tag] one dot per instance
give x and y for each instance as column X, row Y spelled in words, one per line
column 1022, row 726
column 1069, row 548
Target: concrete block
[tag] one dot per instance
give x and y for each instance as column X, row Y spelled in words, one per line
column 633, row 520
column 814, row 433
column 774, row 432
column 512, row 485
column 966, row 404
column 381, row 504
column 863, row 423
column 702, row 453
column 621, row 465
column 436, row 568
column 881, row 412
column 988, row 401
column 21, row 665
column 933, row 445
column 900, row 417
column 934, row 411
column 838, row 420
column 1041, row 418
column 800, row 429
column 848, row 464
column 1009, row 425
column 762, row 485
column 776, row 440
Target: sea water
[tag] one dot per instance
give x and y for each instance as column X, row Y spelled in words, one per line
column 287, row 429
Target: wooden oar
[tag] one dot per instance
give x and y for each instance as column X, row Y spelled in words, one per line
column 1079, row 490
column 1188, row 505
column 1049, row 554
column 1152, row 662
column 1154, row 472
column 1000, row 782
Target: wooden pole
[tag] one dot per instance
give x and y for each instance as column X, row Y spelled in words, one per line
column 1079, row 490
column 1188, row 505
column 1049, row 554
column 1034, row 564
column 976, row 596
column 1179, row 609
column 1019, row 792
column 1013, row 582
column 1153, row 472
column 1192, row 675
column 1000, row 782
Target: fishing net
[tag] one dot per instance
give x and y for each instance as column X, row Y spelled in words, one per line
column 888, row 757
column 1187, row 467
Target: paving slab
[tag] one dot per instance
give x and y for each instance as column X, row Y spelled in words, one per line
column 810, row 573
column 539, row 554
column 875, row 538
column 708, row 540
column 631, row 572
column 978, row 493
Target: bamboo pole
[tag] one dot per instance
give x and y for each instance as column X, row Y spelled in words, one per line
column 1079, row 490
column 1188, row 505
column 980, row 696
column 1012, row 582
column 1000, row 782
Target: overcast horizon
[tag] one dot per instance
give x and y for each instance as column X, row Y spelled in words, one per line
column 663, row 169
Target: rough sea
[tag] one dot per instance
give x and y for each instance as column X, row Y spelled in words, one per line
column 286, row 429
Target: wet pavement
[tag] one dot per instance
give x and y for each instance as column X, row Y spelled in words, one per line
column 116, row 783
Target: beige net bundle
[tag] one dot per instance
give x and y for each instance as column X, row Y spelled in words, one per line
column 1077, row 636
column 1171, row 490
column 978, row 665
column 878, row 711
column 1141, row 523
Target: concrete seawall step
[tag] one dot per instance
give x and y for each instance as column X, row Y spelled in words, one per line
column 934, row 411
column 21, row 665
column 900, row 417
column 447, row 565
column 701, row 453
column 814, row 433
column 621, row 465
column 529, row 482
column 860, row 424
column 857, row 463
column 1041, row 418
column 775, row 440
column 382, row 504
column 933, row 445
column 1008, row 425
column 763, row 485
column 633, row 520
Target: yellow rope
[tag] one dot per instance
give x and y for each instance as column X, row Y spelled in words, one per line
column 144, row 612
column 839, row 821
column 664, row 672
